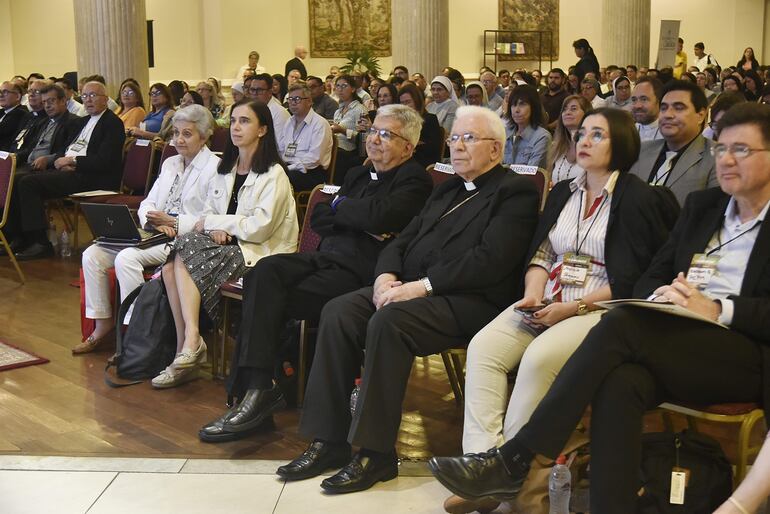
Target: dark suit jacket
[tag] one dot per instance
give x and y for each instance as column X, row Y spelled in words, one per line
column 295, row 64
column 693, row 171
column 62, row 133
column 387, row 210
column 641, row 217
column 702, row 215
column 428, row 150
column 9, row 126
column 102, row 166
column 482, row 259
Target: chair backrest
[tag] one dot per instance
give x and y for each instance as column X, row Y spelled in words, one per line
column 168, row 151
column 309, row 239
column 7, row 172
column 539, row 177
column 137, row 166
column 333, row 161
column 439, row 176
column 443, row 143
column 218, row 140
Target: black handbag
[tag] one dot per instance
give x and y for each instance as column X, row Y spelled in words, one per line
column 149, row 343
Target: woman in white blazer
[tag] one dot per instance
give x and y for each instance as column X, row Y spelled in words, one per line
column 249, row 214
column 173, row 206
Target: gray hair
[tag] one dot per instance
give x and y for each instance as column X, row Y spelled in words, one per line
column 199, row 116
column 300, row 84
column 492, row 121
column 410, row 120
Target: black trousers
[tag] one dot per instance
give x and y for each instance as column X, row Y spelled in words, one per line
column 630, row 362
column 35, row 188
column 13, row 225
column 280, row 288
column 392, row 337
column 306, row 181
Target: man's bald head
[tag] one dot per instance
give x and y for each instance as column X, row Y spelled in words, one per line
column 300, row 51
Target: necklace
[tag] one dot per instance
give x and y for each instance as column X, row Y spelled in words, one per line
column 561, row 167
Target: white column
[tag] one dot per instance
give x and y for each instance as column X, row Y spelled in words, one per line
column 420, row 35
column 111, row 40
column 626, row 32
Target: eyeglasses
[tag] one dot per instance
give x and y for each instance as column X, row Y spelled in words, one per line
column 33, row 92
column 90, row 96
column 738, row 150
column 384, row 134
column 156, row 92
column 341, row 86
column 257, row 90
column 467, row 139
column 595, row 136
column 296, row 99
column 129, row 92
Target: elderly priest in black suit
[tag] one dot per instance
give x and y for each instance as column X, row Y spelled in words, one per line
column 92, row 160
column 451, row 271
column 716, row 265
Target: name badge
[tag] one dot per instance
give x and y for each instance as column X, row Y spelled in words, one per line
column 20, row 136
column 291, row 150
column 702, row 268
column 77, row 146
column 574, row 269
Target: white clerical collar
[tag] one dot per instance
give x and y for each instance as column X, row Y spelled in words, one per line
column 373, row 175
column 469, row 186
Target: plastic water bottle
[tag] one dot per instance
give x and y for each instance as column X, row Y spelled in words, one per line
column 559, row 487
column 354, row 396
column 52, row 234
column 65, row 248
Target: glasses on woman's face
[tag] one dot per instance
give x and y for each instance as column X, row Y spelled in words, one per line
column 129, row 92
column 595, row 136
column 155, row 93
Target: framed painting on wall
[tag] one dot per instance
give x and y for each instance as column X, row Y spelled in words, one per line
column 526, row 15
column 339, row 26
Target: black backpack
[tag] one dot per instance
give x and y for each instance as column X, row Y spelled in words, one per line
column 149, row 343
column 710, row 479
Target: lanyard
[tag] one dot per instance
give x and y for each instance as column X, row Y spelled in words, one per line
column 722, row 245
column 580, row 215
column 304, row 124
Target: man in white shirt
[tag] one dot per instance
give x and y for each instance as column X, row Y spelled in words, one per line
column 73, row 106
column 306, row 141
column 253, row 65
column 702, row 59
column 645, row 107
column 261, row 90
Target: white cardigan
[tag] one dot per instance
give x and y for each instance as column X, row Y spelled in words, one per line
column 202, row 170
column 265, row 222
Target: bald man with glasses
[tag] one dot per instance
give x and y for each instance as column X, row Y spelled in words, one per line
column 12, row 113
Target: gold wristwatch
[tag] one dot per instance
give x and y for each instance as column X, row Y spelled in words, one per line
column 582, row 307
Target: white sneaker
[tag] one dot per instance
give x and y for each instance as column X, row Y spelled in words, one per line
column 172, row 377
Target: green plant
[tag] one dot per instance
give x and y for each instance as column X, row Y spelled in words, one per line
column 362, row 60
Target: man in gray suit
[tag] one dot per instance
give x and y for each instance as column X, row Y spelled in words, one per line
column 682, row 160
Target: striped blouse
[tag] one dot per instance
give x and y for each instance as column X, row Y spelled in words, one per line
column 591, row 234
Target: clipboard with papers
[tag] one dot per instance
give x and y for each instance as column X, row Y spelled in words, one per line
column 668, row 308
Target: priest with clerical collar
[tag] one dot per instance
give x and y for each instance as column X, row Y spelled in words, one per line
column 448, row 273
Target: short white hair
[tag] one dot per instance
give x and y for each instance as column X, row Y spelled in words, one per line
column 199, row 116
column 410, row 120
column 492, row 121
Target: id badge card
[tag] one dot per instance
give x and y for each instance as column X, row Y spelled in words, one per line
column 291, row 150
column 574, row 269
column 702, row 268
column 77, row 146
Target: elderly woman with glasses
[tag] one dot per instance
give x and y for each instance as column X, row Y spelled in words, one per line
column 158, row 122
column 597, row 235
column 172, row 206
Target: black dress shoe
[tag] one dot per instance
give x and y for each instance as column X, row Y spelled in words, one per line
column 361, row 473
column 35, row 251
column 250, row 415
column 318, row 457
column 479, row 475
column 215, row 431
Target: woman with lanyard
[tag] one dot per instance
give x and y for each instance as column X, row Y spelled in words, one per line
column 174, row 203
column 596, row 236
column 344, row 126
column 562, row 152
column 253, row 190
column 445, row 102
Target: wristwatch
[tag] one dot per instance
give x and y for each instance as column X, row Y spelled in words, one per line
column 428, row 288
column 582, row 307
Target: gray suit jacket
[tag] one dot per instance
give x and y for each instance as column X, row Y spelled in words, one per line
column 694, row 170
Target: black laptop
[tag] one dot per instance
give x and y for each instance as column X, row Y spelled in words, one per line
column 113, row 226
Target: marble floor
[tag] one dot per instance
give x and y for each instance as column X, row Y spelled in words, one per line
column 95, row 485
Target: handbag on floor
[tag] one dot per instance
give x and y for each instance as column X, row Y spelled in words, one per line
column 148, row 344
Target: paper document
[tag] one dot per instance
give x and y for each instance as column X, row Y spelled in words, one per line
column 98, row 192
column 669, row 308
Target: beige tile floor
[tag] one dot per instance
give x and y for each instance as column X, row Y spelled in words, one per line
column 80, row 485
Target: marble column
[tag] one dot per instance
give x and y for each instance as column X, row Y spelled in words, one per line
column 625, row 32
column 111, row 40
column 420, row 34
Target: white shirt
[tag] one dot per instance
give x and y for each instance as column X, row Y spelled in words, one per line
column 239, row 76
column 649, row 132
column 79, row 146
column 733, row 257
column 73, row 106
column 703, row 62
column 564, row 170
column 280, row 116
column 313, row 139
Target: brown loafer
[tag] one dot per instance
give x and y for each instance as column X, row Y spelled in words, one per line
column 91, row 343
column 458, row 505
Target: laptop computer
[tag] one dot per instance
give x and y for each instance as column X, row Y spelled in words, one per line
column 113, row 226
